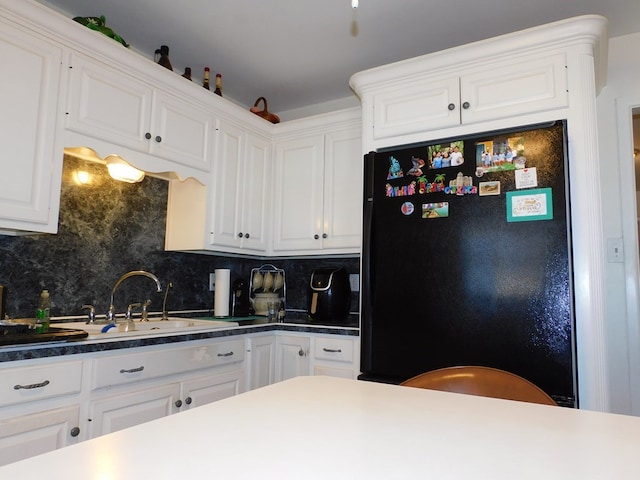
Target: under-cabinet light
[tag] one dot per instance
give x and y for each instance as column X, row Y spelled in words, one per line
column 121, row 170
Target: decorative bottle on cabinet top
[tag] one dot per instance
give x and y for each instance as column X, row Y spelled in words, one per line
column 218, row 90
column 187, row 73
column 163, row 51
column 205, row 82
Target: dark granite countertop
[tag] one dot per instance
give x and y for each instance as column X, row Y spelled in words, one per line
column 293, row 323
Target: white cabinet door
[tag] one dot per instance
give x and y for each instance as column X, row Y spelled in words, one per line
column 24, row 436
column 30, row 167
column 299, row 179
column 292, row 357
column 226, row 195
column 513, row 88
column 257, row 187
column 335, row 355
column 262, row 354
column 110, row 105
column 241, row 177
column 107, row 104
column 414, row 107
column 210, row 388
column 181, row 132
column 343, row 177
column 132, row 407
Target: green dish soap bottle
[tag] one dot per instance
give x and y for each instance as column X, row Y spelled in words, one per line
column 43, row 312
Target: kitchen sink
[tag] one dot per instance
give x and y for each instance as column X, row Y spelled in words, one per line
column 152, row 327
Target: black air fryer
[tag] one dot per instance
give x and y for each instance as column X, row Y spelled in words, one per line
column 329, row 295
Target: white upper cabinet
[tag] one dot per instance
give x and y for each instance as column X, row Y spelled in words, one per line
column 240, row 206
column 30, row 162
column 318, row 194
column 298, row 213
column 107, row 104
column 493, row 90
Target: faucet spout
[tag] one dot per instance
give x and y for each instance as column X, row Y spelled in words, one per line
column 111, row 314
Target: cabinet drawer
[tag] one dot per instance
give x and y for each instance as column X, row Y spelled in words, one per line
column 123, row 369
column 28, row 384
column 338, row 349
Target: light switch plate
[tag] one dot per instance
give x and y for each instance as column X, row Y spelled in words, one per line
column 615, row 250
column 354, row 281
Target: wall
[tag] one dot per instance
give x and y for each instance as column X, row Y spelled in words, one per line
column 107, row 228
column 615, row 180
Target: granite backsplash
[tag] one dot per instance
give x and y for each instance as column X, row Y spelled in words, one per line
column 107, row 228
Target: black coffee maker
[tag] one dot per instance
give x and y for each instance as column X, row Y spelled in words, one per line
column 329, row 295
column 240, row 298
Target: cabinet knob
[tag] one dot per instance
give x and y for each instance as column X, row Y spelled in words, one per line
column 75, row 431
column 147, row 135
column 301, row 353
column 466, row 105
column 246, row 235
column 178, row 403
column 316, row 236
column 188, row 400
column 324, row 235
column 451, row 106
column 240, row 235
column 158, row 139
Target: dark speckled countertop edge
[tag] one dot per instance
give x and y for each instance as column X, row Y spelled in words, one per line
column 55, row 349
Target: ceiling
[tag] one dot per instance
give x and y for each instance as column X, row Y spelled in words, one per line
column 298, row 53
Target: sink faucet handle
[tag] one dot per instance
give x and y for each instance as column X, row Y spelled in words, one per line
column 130, row 307
column 165, row 313
column 91, row 314
column 145, row 313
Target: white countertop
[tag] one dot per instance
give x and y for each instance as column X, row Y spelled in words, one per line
column 322, row 428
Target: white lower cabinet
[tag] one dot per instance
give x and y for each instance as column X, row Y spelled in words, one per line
column 135, row 406
column 132, row 388
column 39, row 408
column 292, row 356
column 336, row 356
column 24, row 436
column 261, row 367
column 50, row 403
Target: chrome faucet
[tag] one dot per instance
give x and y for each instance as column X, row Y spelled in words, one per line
column 111, row 314
column 165, row 314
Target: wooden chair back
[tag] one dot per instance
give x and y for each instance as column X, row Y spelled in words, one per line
column 482, row 381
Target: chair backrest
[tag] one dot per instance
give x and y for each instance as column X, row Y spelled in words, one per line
column 483, row 381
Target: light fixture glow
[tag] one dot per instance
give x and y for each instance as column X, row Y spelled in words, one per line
column 354, row 4
column 82, row 177
column 121, row 170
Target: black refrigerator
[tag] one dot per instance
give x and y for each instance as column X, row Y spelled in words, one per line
column 467, row 258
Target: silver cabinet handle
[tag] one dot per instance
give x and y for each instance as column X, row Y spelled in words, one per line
column 228, row 354
column 332, row 350
column 33, row 385
column 133, row 370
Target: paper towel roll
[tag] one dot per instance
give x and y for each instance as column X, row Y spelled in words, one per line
column 222, row 293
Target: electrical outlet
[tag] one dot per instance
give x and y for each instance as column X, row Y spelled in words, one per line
column 354, row 280
column 212, row 282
